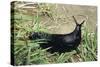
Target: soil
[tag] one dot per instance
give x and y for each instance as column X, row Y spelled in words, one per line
column 62, row 17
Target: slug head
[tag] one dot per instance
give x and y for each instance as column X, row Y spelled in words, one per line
column 78, row 26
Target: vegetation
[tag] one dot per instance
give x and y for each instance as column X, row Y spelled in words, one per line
column 28, row 52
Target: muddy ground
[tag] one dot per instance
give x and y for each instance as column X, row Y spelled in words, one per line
column 62, row 21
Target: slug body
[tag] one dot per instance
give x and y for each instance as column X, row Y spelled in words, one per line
column 60, row 42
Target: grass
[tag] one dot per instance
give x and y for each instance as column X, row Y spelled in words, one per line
column 27, row 52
